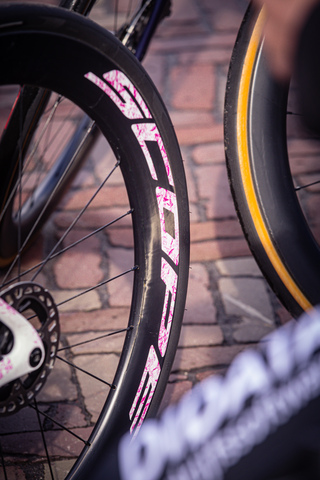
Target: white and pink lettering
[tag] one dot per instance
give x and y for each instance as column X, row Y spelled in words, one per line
column 148, row 132
column 144, row 396
column 120, row 82
column 126, row 97
column 168, row 201
column 170, row 278
column 121, row 98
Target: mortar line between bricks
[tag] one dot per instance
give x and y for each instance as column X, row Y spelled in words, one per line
column 247, row 308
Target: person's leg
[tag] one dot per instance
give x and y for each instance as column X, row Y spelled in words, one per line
column 285, row 21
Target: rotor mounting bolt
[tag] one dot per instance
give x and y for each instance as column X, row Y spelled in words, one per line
column 35, row 357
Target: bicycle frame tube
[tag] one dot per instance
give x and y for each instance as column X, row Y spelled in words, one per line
column 160, row 9
column 80, row 6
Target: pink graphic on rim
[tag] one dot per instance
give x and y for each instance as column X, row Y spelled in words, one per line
column 151, row 373
column 124, row 94
column 120, row 83
column 170, row 278
column 148, row 132
column 168, row 201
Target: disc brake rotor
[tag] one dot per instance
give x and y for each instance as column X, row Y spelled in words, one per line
column 37, row 305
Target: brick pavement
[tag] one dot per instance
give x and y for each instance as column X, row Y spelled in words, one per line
column 229, row 305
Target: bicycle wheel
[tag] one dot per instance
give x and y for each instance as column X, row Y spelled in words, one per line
column 258, row 137
column 74, row 58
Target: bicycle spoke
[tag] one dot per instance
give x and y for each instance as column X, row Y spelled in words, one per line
column 76, row 219
column 26, row 162
column 45, row 208
column 44, row 131
column 301, row 184
column 95, row 339
column 98, row 285
column 69, row 247
column 297, row 188
column 86, row 372
column 43, row 439
column 63, row 427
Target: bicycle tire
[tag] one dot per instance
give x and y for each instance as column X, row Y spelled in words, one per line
column 68, row 54
column 259, row 173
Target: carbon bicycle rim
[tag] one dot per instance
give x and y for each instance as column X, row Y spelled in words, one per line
column 260, row 158
column 138, row 287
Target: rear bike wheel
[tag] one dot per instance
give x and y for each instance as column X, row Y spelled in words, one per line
column 262, row 158
column 138, row 287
